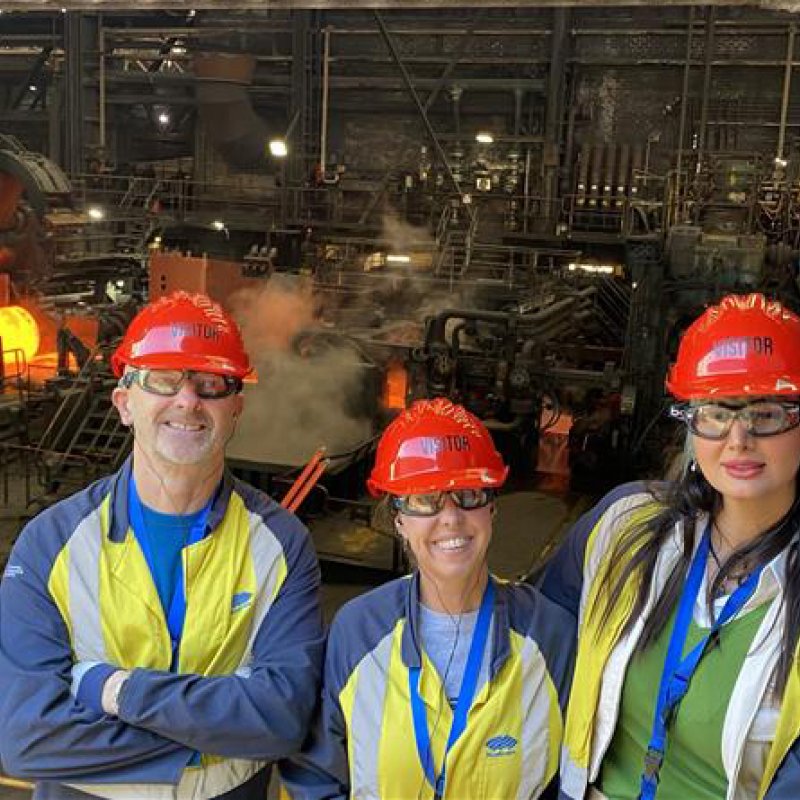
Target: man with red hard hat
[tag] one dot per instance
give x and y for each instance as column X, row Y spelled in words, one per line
column 160, row 633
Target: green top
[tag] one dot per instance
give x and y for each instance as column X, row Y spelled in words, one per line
column 693, row 763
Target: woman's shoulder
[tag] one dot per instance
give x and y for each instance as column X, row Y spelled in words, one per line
column 552, row 628
column 631, row 496
column 590, row 536
column 530, row 609
column 378, row 608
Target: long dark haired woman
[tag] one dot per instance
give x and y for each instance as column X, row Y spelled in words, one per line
column 688, row 594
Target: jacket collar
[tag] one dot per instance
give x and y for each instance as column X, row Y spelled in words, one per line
column 410, row 647
column 119, row 521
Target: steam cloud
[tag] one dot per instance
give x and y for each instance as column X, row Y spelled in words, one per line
column 304, row 397
column 398, row 292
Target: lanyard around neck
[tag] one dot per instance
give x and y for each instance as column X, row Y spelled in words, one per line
column 678, row 671
column 176, row 614
column 466, row 694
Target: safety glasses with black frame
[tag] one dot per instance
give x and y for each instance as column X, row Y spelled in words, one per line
column 428, row 504
column 168, row 382
column 761, row 418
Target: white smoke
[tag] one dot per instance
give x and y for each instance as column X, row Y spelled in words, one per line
column 306, row 396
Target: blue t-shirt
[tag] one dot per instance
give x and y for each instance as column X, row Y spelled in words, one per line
column 167, row 535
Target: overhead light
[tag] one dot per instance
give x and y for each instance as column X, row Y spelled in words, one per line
column 483, row 137
column 96, row 213
column 592, row 269
column 163, row 118
column 278, row 148
column 33, row 87
column 398, row 259
column 780, row 162
column 191, row 13
column 218, row 225
column 178, row 50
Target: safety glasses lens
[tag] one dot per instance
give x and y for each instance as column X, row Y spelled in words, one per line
column 161, row 381
column 430, row 503
column 206, row 385
column 714, row 420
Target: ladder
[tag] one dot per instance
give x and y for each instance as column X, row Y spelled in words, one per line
column 85, row 438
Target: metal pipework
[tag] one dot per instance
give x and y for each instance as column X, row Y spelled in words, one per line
column 684, row 102
column 551, row 315
column 437, row 325
column 787, row 85
column 323, row 134
column 711, row 16
column 101, row 103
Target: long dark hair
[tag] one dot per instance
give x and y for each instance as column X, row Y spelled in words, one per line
column 636, row 551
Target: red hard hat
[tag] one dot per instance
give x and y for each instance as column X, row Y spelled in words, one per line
column 747, row 345
column 432, row 446
column 183, row 331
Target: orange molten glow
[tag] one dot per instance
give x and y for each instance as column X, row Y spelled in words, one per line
column 18, row 331
column 395, row 386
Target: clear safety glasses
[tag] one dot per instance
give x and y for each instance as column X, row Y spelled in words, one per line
column 431, row 503
column 168, row 382
column 760, row 418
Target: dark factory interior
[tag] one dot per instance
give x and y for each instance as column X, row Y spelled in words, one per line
column 519, row 207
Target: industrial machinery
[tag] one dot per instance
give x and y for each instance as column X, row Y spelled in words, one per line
column 57, row 321
column 521, row 212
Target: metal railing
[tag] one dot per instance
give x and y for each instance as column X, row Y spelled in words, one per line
column 30, row 464
column 74, row 404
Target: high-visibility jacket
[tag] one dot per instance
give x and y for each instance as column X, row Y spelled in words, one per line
column 77, row 589
column 761, row 760
column 364, row 744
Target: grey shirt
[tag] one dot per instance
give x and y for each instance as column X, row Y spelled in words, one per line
column 446, row 640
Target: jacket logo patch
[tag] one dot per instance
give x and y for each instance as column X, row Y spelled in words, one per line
column 241, row 600
column 13, row 571
column 501, row 746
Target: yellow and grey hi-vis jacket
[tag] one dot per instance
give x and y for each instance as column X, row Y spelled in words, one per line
column 759, row 763
column 77, row 589
column 363, row 744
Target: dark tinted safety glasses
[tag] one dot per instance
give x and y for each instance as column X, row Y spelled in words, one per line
column 760, row 418
column 168, row 382
column 430, row 503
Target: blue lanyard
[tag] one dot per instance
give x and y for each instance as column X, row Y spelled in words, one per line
column 177, row 607
column 678, row 671
column 466, row 694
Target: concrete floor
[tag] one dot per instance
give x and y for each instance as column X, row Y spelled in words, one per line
column 354, row 557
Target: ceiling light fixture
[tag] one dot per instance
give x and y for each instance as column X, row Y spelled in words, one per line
column 278, row 148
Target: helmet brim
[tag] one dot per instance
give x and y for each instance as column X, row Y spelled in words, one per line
column 714, row 388
column 439, row 482
column 203, row 363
